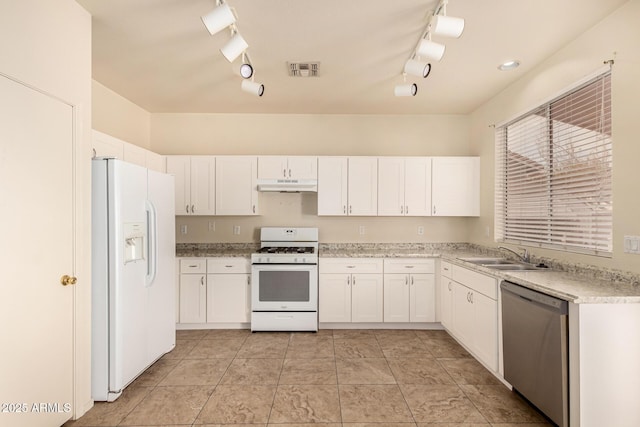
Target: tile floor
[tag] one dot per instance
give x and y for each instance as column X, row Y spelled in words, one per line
column 335, row 378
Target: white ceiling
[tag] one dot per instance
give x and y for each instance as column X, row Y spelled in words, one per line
column 159, row 55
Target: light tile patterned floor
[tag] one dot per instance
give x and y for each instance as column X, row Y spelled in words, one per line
column 335, row 378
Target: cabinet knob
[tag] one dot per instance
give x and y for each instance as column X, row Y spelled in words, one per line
column 406, row 210
column 187, row 208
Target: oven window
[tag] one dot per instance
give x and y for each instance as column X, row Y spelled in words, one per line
column 284, row 286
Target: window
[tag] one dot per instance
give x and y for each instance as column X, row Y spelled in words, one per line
column 553, row 173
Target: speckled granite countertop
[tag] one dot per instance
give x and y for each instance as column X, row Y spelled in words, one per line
column 581, row 284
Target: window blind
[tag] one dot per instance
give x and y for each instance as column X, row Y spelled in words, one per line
column 553, row 173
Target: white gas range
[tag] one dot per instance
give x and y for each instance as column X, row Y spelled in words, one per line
column 284, row 280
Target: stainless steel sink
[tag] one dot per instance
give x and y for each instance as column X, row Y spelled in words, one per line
column 502, row 264
column 514, row 267
column 486, row 261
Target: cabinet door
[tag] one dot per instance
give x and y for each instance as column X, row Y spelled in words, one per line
column 396, row 298
column 332, row 185
column 334, row 298
column 485, row 333
column 391, row 186
column 446, row 303
column 227, row 298
column 203, row 185
column 302, row 167
column 366, row 298
column 193, row 298
column 236, row 191
column 463, row 317
column 456, row 186
column 422, row 295
column 180, row 168
column 272, row 167
column 363, row 186
column 417, row 186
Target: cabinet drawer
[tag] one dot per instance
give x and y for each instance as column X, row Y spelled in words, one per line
column 193, row 265
column 486, row 285
column 350, row 265
column 229, row 265
column 408, row 265
column 446, row 269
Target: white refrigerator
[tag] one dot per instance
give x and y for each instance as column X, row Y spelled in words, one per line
column 133, row 273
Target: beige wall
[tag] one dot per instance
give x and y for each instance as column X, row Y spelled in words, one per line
column 614, row 37
column 47, row 45
column 119, row 117
column 375, row 135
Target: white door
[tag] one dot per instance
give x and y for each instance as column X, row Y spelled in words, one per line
column 302, row 167
column 363, row 186
column 180, row 168
column 203, row 185
column 396, row 297
column 456, row 186
column 36, row 249
column 332, row 186
column 334, row 298
column 236, row 190
column 417, row 186
column 391, row 189
column 193, row 298
column 446, row 303
column 272, row 167
column 366, row 298
column 422, row 296
column 227, row 298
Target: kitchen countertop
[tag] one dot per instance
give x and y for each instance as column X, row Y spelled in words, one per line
column 574, row 283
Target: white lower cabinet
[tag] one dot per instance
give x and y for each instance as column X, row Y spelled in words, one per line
column 193, row 291
column 474, row 313
column 409, row 290
column 350, row 290
column 214, row 290
column 446, row 295
column 228, row 290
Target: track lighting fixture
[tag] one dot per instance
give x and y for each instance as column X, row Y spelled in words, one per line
column 219, row 18
column 234, row 47
column 430, row 50
column 252, row 87
column 447, row 26
column 417, row 68
column 223, row 16
column 405, row 89
column 426, row 49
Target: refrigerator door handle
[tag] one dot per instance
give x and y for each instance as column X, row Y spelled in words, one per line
column 152, row 243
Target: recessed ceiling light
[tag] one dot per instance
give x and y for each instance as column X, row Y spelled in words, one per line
column 509, row 65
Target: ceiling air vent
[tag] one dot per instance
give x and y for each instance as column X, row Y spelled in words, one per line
column 304, row 69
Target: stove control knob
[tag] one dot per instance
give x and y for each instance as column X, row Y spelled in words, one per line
column 295, row 260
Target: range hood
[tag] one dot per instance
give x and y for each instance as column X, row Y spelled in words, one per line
column 288, row 185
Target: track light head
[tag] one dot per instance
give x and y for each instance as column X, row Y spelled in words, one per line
column 234, row 47
column 246, row 70
column 407, row 89
column 218, row 19
column 447, row 26
column 417, row 68
column 252, row 87
column 430, row 50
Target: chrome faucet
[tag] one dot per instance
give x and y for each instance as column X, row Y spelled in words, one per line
column 525, row 257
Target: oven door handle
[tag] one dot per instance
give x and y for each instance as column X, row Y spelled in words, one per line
column 284, row 267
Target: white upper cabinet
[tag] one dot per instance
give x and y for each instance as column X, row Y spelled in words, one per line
column 456, row 186
column 236, row 185
column 404, row 186
column 332, row 185
column 195, row 184
column 107, row 146
column 362, row 187
column 348, row 186
column 292, row 167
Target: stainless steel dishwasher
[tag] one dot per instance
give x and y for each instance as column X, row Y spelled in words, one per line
column 535, row 349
